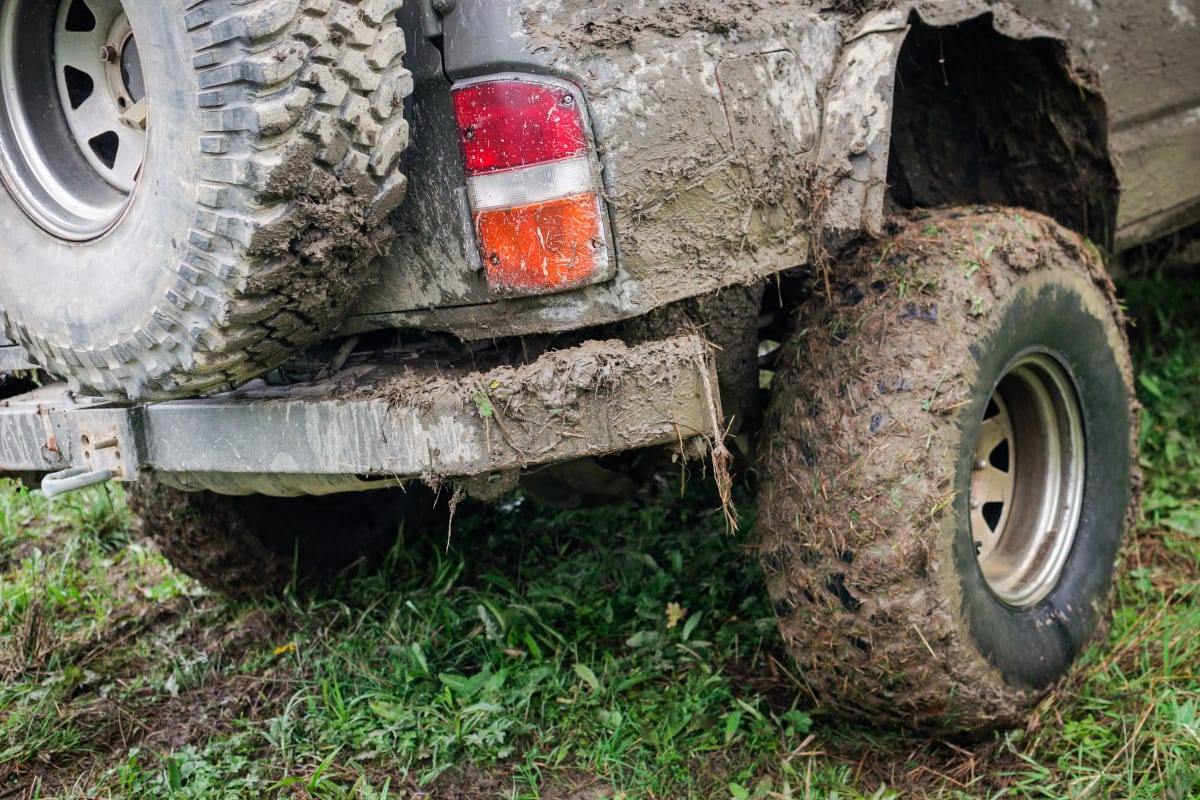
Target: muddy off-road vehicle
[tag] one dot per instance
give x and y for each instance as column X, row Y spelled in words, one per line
column 296, row 261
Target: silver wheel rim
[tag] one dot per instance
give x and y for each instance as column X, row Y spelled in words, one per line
column 1027, row 480
column 72, row 115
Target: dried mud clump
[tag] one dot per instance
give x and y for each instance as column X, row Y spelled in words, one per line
column 859, row 452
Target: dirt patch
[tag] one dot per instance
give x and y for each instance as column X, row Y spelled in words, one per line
column 472, row 783
column 921, row 768
column 113, row 728
column 105, row 703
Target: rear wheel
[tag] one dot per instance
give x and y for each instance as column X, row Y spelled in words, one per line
column 193, row 193
column 252, row 545
column 949, row 471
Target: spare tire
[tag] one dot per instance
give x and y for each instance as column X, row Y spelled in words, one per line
column 194, row 191
column 253, row 545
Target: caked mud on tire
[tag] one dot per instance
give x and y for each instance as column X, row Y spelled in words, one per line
column 197, row 189
column 254, row 545
column 897, row 597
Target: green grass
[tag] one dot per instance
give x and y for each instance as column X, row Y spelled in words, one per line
column 618, row 652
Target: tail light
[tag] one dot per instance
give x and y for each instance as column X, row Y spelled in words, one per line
column 533, row 181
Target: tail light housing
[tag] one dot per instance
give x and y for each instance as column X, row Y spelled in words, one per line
column 533, row 183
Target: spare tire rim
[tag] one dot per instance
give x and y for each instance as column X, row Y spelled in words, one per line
column 1027, row 480
column 73, row 115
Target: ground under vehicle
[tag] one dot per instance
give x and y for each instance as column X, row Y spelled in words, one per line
column 602, row 216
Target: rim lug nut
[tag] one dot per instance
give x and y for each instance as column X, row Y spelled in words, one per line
column 981, row 464
column 108, row 53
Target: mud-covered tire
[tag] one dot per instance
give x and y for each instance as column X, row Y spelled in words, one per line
column 274, row 132
column 869, row 452
column 255, row 545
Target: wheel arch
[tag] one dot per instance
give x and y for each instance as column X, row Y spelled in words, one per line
column 938, row 104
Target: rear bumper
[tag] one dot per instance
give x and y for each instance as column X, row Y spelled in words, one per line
column 369, row 426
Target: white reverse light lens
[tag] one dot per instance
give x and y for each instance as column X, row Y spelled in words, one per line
column 529, row 185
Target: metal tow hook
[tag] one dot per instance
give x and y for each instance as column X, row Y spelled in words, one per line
column 69, row 480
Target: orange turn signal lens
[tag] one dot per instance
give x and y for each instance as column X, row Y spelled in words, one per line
column 545, row 246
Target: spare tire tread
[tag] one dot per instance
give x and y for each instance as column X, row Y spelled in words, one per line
column 303, row 108
column 249, row 546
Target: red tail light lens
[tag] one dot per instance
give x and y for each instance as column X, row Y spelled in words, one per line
column 507, row 124
column 533, row 180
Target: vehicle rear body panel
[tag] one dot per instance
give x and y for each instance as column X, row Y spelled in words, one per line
column 709, row 119
column 706, row 141
column 1145, row 57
